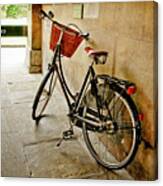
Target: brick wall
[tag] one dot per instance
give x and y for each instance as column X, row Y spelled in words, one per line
column 128, row 32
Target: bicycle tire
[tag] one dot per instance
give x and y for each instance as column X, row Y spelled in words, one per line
column 113, row 160
column 36, row 114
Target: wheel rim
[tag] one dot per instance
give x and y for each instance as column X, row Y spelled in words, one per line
column 113, row 148
column 46, row 94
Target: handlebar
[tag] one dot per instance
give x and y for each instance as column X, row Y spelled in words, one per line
column 50, row 16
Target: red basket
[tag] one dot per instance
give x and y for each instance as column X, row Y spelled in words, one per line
column 70, row 41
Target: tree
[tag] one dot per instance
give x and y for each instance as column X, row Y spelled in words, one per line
column 14, row 11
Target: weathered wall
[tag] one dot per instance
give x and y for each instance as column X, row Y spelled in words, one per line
column 127, row 31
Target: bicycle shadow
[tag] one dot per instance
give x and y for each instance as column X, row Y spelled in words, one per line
column 37, row 121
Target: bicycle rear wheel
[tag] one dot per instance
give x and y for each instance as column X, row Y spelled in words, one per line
column 116, row 142
column 44, row 93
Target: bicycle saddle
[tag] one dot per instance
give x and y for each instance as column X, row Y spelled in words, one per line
column 99, row 56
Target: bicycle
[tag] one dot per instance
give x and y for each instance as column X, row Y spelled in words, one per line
column 103, row 108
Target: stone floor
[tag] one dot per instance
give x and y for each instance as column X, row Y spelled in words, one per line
column 28, row 150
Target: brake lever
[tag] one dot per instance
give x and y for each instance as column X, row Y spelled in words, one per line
column 86, row 36
column 50, row 14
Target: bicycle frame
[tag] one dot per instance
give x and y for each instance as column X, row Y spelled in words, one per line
column 73, row 102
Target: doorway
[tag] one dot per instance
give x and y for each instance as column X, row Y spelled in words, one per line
column 14, row 25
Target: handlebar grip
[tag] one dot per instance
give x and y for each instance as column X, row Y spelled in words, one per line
column 43, row 13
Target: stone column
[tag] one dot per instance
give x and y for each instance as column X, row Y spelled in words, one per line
column 34, row 40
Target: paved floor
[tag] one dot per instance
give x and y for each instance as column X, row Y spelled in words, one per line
column 29, row 150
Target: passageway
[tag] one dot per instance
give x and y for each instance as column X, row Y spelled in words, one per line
column 28, row 150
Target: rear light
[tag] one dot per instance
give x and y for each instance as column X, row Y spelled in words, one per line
column 131, row 90
column 140, row 116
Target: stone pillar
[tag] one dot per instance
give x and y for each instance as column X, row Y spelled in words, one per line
column 34, row 40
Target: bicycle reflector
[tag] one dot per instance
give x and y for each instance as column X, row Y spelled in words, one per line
column 140, row 116
column 131, row 89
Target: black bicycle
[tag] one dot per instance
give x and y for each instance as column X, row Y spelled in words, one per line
column 103, row 107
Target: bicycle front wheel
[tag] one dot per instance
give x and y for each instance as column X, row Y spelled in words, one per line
column 44, row 93
column 115, row 143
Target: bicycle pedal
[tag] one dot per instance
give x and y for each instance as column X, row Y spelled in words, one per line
column 66, row 135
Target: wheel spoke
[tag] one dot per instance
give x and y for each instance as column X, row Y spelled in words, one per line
column 51, row 81
column 45, row 92
column 126, row 127
column 42, row 99
column 44, row 106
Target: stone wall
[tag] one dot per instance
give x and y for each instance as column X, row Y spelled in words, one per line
column 34, row 51
column 128, row 31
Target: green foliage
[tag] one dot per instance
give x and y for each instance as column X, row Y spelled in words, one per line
column 14, row 11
